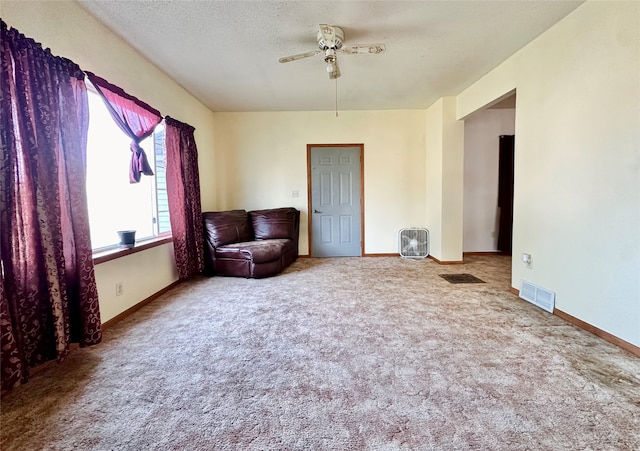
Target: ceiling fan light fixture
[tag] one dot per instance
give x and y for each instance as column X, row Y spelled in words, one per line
column 330, row 59
column 330, row 56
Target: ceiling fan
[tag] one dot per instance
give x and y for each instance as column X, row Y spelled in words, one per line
column 330, row 42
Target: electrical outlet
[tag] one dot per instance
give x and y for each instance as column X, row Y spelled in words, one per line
column 527, row 260
column 295, row 193
column 119, row 289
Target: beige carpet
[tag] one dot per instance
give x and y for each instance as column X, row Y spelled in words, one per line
column 336, row 354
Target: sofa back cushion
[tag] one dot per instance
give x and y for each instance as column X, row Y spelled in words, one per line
column 275, row 223
column 225, row 227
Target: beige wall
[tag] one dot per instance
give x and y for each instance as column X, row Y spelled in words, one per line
column 577, row 168
column 266, row 160
column 142, row 275
column 444, row 180
column 70, row 32
column 433, row 177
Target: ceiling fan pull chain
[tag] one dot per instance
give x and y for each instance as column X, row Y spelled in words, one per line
column 336, row 97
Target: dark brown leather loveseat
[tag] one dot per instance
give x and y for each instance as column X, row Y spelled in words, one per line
column 258, row 243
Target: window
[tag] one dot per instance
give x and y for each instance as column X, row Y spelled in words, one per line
column 162, row 199
column 114, row 203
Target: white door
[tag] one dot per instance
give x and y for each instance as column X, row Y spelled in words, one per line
column 335, row 207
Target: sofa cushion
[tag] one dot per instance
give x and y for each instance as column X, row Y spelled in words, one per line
column 274, row 223
column 258, row 251
column 224, row 227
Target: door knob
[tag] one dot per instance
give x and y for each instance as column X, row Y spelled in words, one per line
column 316, row 211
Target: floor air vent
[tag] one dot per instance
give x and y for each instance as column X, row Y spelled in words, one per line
column 539, row 296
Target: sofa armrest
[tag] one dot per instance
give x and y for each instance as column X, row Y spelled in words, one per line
column 223, row 227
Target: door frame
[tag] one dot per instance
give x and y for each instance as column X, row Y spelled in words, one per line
column 309, row 213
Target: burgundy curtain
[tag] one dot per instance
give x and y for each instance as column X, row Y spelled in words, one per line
column 183, row 190
column 48, row 294
column 134, row 117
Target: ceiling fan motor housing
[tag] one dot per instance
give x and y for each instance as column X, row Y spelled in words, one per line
column 338, row 40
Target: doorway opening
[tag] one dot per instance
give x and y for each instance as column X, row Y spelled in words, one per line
column 488, row 172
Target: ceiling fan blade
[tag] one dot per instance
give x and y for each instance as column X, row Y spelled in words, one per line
column 328, row 35
column 299, row 56
column 362, row 49
column 336, row 71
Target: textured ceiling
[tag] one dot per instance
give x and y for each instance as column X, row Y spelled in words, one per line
column 226, row 52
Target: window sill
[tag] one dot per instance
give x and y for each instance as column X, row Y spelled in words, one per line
column 117, row 252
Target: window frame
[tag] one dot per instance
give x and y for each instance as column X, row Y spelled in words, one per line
column 107, row 254
column 114, row 251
